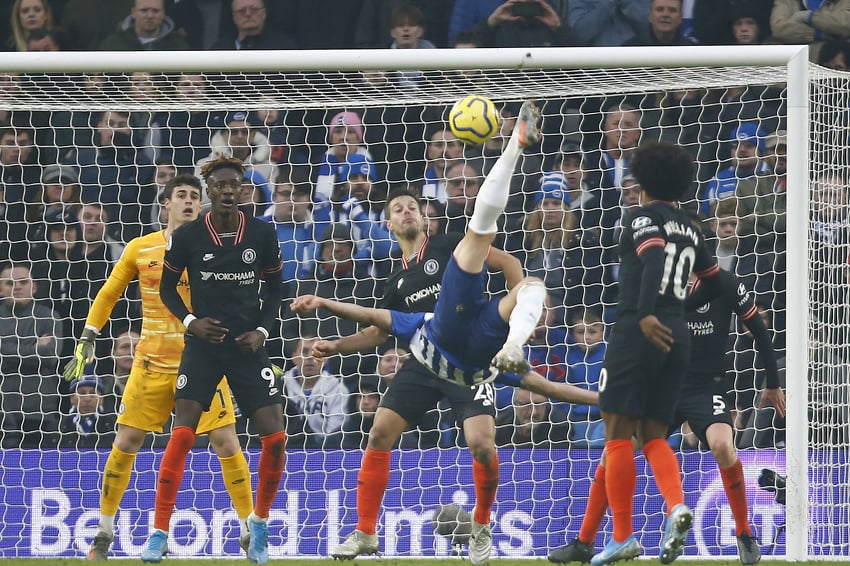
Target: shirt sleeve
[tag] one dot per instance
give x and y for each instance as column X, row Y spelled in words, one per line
column 644, row 231
column 405, row 325
column 123, row 272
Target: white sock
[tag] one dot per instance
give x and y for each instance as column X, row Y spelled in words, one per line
column 243, row 526
column 253, row 517
column 106, row 524
column 493, row 196
column 526, row 313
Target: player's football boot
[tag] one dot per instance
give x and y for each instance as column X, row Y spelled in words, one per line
column 576, row 551
column 356, row 544
column 511, row 358
column 156, row 547
column 100, row 546
column 244, row 539
column 675, row 533
column 528, row 124
column 258, row 546
column 748, row 549
column 480, row 543
column 615, row 551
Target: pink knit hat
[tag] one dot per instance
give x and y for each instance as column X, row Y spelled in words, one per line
column 350, row 119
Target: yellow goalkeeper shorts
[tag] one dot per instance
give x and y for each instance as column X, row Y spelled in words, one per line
column 149, row 398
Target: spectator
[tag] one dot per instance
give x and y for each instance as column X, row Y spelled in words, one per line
column 600, row 23
column 285, row 133
column 87, row 22
column 665, row 26
column 147, row 28
column 533, row 23
column 255, row 197
column 434, row 214
column 345, row 137
column 249, row 17
column 117, row 175
column 239, row 138
column 165, row 171
column 298, row 229
column 791, row 21
column 442, row 149
column 60, row 189
column 407, row 31
column 466, row 14
column 30, row 337
column 42, row 40
column 762, row 205
column 532, row 422
column 59, row 272
column 747, row 141
column 361, row 413
column 28, row 16
column 713, row 19
column 463, row 181
column 734, row 248
column 337, row 276
column 570, row 161
column 566, row 257
column 586, row 353
column 389, row 363
column 184, row 136
column 747, row 28
column 123, row 348
column 91, row 421
column 314, row 400
column 375, row 17
column 19, row 174
column 835, row 55
column 356, row 203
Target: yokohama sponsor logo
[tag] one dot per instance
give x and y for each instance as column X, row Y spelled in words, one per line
column 422, row 293
column 243, row 276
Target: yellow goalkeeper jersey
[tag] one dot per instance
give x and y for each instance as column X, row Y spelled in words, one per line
column 161, row 343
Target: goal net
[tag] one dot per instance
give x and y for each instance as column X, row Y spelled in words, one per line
column 87, row 142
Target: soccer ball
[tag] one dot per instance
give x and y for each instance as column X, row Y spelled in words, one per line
column 474, row 119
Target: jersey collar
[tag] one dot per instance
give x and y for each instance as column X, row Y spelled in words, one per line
column 419, row 255
column 240, row 229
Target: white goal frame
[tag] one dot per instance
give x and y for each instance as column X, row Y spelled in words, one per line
column 793, row 58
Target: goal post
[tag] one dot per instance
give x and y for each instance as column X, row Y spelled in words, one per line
column 331, row 81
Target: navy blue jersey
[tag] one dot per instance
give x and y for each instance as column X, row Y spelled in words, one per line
column 225, row 271
column 415, row 286
column 659, row 224
column 710, row 325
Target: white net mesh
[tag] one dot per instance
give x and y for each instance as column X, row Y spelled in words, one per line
column 85, row 156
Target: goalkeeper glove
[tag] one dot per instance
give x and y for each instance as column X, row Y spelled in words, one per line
column 83, row 355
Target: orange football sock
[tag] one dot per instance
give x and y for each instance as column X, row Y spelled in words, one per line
column 620, row 483
column 371, row 485
column 486, row 480
column 269, row 471
column 171, row 474
column 665, row 470
column 597, row 504
column 736, row 493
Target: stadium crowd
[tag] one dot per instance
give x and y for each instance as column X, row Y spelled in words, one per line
column 77, row 186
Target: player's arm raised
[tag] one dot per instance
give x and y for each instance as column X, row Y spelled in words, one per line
column 123, row 272
column 379, row 318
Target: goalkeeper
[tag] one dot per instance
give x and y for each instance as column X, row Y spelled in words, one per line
column 149, row 395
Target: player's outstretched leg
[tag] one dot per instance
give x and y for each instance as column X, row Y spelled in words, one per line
column 675, row 533
column 358, row 543
column 522, row 308
column 748, row 549
column 616, row 551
